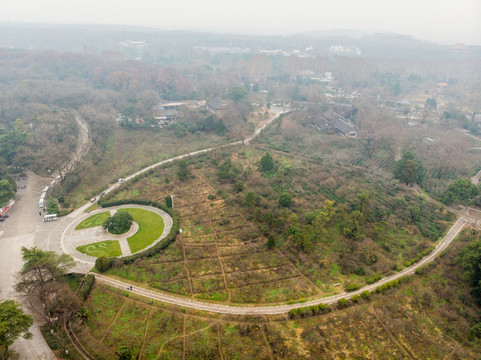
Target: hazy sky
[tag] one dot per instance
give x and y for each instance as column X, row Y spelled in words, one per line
column 447, row 21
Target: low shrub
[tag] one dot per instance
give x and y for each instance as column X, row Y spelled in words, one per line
column 64, row 212
column 386, row 286
column 374, row 278
column 102, row 264
column 308, row 311
column 342, row 303
column 366, row 294
column 84, row 291
column 352, row 286
column 416, row 258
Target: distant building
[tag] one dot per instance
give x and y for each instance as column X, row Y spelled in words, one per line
column 344, row 50
column 216, row 104
column 166, row 112
column 344, row 128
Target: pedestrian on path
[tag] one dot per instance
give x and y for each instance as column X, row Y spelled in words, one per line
column 130, row 287
column 39, row 213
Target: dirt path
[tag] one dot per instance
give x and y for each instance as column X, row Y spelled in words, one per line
column 390, row 334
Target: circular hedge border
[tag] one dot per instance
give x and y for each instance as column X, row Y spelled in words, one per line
column 162, row 244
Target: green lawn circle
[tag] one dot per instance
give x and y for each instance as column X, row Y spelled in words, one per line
column 93, row 221
column 107, row 248
column 151, row 227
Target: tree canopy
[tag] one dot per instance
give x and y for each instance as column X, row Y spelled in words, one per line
column 409, row 169
column 11, row 140
column 13, row 323
column 285, row 200
column 267, row 163
column 119, row 223
column 8, row 186
column 460, row 191
column 52, row 206
column 7, row 192
column 39, row 268
column 237, row 93
column 470, row 259
column 184, row 172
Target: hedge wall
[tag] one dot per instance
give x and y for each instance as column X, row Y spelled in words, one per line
column 86, row 287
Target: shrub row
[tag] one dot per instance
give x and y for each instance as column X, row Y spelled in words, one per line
column 84, row 291
column 162, row 244
column 352, row 286
column 342, row 302
column 389, row 285
column 308, row 311
column 374, row 278
column 415, row 259
column 65, row 212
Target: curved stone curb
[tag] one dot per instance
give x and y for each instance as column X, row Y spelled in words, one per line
column 69, row 247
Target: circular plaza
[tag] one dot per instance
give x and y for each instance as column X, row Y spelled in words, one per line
column 86, row 239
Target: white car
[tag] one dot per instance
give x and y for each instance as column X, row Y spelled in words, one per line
column 120, row 181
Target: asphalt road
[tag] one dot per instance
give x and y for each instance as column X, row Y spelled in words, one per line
column 24, row 227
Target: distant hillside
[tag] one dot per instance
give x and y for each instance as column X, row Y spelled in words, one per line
column 342, row 33
column 166, row 44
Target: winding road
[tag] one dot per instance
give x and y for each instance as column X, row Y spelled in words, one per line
column 26, row 229
column 281, row 309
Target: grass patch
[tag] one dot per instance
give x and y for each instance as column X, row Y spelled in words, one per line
column 217, row 296
column 107, row 248
column 93, row 221
column 151, row 227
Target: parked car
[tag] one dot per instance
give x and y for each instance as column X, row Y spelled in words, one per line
column 102, row 194
column 92, row 200
column 120, row 181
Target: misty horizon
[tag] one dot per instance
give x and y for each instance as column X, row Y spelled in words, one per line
column 429, row 20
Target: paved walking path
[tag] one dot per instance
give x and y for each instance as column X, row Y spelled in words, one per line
column 280, row 309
